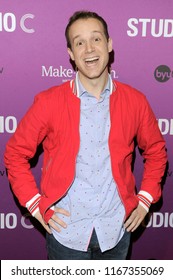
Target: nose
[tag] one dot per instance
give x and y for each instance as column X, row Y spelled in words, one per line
column 89, row 47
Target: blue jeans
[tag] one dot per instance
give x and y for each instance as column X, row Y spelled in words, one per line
column 57, row 251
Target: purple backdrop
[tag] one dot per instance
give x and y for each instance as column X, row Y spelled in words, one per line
column 34, row 57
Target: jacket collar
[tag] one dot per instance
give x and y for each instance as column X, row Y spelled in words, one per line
column 75, row 89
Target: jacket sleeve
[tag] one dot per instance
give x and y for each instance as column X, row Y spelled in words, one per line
column 21, row 147
column 152, row 144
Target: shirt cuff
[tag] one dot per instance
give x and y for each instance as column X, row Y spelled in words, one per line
column 33, row 204
column 145, row 199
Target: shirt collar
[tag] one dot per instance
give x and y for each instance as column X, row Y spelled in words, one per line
column 81, row 90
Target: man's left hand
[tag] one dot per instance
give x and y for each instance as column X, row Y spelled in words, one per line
column 135, row 219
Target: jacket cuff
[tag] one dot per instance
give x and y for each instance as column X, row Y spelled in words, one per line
column 48, row 214
column 33, row 204
column 145, row 199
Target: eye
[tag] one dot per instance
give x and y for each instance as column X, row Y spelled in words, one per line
column 97, row 39
column 79, row 43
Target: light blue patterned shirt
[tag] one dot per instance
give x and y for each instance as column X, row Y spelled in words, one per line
column 92, row 199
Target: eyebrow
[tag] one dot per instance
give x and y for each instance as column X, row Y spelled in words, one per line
column 95, row 31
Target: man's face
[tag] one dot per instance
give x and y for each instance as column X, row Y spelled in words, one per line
column 89, row 48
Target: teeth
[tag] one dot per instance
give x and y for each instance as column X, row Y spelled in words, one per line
column 91, row 59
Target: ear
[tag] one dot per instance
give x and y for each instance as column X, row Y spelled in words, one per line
column 70, row 54
column 110, row 43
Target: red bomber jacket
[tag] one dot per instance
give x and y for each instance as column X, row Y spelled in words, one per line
column 54, row 118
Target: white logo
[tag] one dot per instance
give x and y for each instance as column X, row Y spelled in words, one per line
column 8, row 124
column 154, row 27
column 57, row 72
column 158, row 220
column 8, row 22
column 166, row 126
column 65, row 73
column 10, row 221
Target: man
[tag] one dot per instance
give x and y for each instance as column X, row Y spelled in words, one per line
column 88, row 128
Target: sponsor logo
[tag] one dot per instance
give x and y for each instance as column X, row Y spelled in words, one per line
column 11, row 221
column 154, row 220
column 8, row 124
column 163, row 73
column 169, row 173
column 64, row 73
column 150, row 27
column 9, row 22
column 158, row 220
column 2, row 173
column 61, row 72
column 166, row 126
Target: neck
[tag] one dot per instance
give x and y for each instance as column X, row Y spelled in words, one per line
column 94, row 86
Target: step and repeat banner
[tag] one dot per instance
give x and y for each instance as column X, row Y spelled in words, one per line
column 33, row 57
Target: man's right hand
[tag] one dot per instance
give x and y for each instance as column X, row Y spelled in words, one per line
column 54, row 220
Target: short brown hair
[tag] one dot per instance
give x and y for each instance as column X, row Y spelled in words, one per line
column 84, row 15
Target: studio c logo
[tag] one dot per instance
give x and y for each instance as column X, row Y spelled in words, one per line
column 11, row 221
column 158, row 220
column 9, row 23
column 163, row 73
column 150, row 27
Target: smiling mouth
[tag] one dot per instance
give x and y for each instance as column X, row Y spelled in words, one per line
column 91, row 61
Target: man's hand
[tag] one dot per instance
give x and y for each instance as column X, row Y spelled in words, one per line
column 39, row 217
column 53, row 220
column 135, row 219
